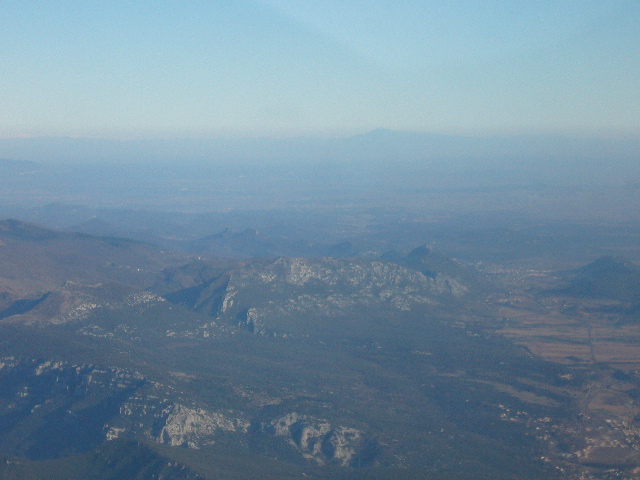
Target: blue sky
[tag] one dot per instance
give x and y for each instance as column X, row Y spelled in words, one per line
column 161, row 69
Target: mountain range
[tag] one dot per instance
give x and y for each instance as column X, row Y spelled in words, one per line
column 470, row 160
column 258, row 368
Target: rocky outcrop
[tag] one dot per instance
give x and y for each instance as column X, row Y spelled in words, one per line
column 137, row 407
column 116, row 403
column 317, row 439
column 261, row 297
column 194, row 427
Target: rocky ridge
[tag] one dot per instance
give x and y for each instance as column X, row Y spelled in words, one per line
column 140, row 408
column 257, row 296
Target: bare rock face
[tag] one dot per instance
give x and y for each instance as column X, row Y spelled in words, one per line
column 59, row 408
column 193, row 427
column 74, row 303
column 152, row 414
column 377, row 278
column 317, row 439
column 258, row 296
column 143, row 409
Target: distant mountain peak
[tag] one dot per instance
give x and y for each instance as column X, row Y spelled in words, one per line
column 25, row 231
column 609, row 264
column 388, row 134
column 611, row 277
column 420, row 252
column 18, row 166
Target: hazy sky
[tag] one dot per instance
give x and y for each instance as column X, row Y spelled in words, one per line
column 299, row 67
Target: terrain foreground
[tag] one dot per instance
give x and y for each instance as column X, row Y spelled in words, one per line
column 119, row 359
